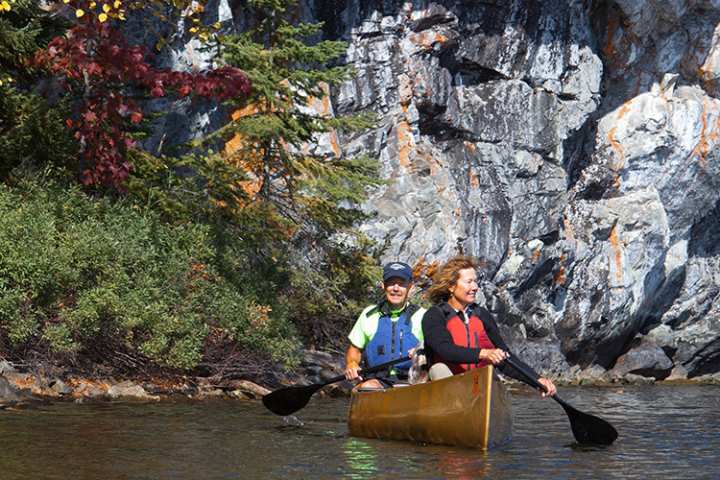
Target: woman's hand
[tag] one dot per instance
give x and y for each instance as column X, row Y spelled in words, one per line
column 493, row 355
column 352, row 372
column 549, row 387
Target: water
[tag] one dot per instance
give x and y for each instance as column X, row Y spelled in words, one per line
column 669, row 432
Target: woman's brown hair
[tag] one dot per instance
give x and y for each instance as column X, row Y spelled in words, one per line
column 447, row 276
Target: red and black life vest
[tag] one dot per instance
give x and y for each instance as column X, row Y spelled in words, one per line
column 469, row 333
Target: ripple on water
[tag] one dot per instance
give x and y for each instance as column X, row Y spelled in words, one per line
column 665, row 432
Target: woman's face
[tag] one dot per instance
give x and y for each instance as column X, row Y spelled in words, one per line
column 396, row 291
column 464, row 290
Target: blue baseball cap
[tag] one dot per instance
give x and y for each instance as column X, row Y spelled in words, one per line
column 397, row 269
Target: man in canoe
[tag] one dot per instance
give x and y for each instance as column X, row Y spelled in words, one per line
column 386, row 331
column 459, row 333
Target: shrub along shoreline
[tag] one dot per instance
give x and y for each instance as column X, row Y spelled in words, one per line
column 102, row 285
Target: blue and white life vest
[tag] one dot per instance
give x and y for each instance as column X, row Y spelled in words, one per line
column 392, row 340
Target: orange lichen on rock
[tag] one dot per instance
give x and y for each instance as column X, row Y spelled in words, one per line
column 236, row 142
column 617, row 252
column 83, row 387
column 428, row 38
column 624, row 108
column 242, row 155
column 618, row 161
column 23, row 382
column 559, row 277
column 405, row 143
column 474, row 180
column 702, row 148
column 612, row 26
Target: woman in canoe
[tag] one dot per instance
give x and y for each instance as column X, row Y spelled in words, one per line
column 460, row 334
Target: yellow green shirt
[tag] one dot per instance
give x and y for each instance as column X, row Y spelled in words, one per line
column 367, row 324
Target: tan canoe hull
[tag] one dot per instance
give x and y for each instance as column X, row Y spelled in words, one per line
column 472, row 410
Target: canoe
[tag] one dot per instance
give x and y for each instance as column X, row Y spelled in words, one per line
column 471, row 410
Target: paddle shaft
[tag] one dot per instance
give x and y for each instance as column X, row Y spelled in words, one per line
column 529, row 376
column 290, row 399
column 534, row 383
column 376, row 368
column 585, row 427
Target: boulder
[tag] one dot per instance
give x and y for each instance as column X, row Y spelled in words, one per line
column 247, row 389
column 9, row 395
column 129, row 390
column 647, row 360
column 60, row 387
column 6, row 367
column 317, row 366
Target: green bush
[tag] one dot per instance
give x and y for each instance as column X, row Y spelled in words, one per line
column 81, row 276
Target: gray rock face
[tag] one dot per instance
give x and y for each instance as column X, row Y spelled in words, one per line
column 572, row 144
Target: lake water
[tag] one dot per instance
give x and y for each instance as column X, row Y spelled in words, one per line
column 668, row 432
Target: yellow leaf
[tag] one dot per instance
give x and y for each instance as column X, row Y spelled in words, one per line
column 193, row 29
column 117, row 4
column 102, row 17
column 79, row 13
column 93, row 4
column 66, row 1
column 4, row 6
column 106, row 8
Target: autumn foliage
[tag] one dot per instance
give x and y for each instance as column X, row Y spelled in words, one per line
column 105, row 76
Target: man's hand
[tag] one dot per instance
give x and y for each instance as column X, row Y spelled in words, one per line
column 352, row 372
column 493, row 355
column 353, row 357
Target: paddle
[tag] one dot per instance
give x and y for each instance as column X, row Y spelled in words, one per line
column 287, row 400
column 587, row 429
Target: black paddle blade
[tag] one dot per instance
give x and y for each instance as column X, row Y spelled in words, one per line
column 588, row 429
column 289, row 399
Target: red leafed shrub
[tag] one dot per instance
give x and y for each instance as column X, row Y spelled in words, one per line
column 95, row 65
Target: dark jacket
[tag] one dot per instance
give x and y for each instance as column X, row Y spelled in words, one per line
column 438, row 340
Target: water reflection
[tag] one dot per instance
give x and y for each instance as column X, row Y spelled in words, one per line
column 665, row 432
column 463, row 466
column 361, row 459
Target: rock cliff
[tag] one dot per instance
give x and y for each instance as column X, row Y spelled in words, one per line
column 573, row 144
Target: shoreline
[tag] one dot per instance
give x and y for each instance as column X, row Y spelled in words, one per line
column 21, row 388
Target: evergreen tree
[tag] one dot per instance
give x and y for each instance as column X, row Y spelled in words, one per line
column 308, row 199
column 275, row 126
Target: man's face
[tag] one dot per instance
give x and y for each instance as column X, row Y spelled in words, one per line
column 396, row 291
